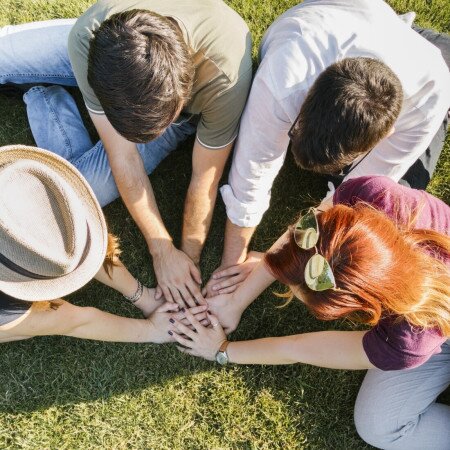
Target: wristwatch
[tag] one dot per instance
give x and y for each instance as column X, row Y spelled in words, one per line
column 221, row 355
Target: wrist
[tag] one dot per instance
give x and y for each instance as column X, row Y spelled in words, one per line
column 158, row 247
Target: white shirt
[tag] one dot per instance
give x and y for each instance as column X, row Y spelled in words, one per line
column 297, row 47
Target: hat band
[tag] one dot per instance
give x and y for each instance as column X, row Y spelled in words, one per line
column 35, row 276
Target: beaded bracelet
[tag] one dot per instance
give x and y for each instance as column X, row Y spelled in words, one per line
column 137, row 295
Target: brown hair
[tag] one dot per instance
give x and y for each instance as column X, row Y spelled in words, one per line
column 380, row 269
column 351, row 106
column 141, row 71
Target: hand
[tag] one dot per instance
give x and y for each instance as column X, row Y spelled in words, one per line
column 159, row 320
column 148, row 302
column 178, row 278
column 226, row 281
column 201, row 341
column 227, row 310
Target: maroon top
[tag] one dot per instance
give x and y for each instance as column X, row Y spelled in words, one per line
column 389, row 345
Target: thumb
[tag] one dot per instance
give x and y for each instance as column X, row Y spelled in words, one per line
column 168, row 307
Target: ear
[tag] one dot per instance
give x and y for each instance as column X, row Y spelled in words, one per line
column 390, row 132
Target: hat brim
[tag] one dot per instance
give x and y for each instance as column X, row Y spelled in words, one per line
column 23, row 288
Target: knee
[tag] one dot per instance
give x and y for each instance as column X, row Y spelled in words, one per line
column 378, row 428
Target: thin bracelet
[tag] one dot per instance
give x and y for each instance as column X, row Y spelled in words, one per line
column 137, row 295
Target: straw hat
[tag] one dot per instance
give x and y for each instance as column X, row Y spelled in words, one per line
column 53, row 235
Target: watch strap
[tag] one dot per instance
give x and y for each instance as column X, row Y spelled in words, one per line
column 223, row 346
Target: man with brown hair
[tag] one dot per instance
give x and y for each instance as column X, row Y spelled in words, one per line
column 355, row 91
column 152, row 72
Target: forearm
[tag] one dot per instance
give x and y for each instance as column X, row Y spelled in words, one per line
column 137, row 194
column 330, row 349
column 198, row 212
column 61, row 318
column 133, row 184
column 258, row 280
column 102, row 326
column 237, row 240
column 119, row 279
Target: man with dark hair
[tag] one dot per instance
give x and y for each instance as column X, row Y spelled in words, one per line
column 355, row 90
column 151, row 72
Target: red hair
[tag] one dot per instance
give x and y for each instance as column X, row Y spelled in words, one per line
column 380, row 268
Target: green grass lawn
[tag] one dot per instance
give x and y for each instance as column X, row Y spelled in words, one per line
column 63, row 393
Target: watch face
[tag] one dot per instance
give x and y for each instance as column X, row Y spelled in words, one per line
column 222, row 358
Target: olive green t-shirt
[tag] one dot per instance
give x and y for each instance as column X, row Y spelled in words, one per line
column 221, row 46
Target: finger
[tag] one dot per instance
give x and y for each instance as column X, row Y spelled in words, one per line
column 167, row 307
column 199, row 317
column 215, row 324
column 181, row 340
column 167, row 294
column 196, row 273
column 187, row 297
column 195, row 310
column 184, row 329
column 229, row 282
column 192, row 319
column 188, row 351
column 158, row 292
column 176, row 296
column 196, row 293
column 205, row 322
column 229, row 272
column 204, row 291
column 229, row 290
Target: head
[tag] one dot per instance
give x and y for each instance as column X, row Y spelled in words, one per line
column 379, row 269
column 141, row 71
column 351, row 106
column 53, row 235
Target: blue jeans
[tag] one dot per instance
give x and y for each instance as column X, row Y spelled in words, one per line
column 36, row 53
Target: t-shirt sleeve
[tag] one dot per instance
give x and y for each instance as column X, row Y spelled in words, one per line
column 78, row 47
column 397, row 346
column 219, row 123
column 398, row 202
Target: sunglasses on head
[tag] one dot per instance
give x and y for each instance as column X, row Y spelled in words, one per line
column 318, row 273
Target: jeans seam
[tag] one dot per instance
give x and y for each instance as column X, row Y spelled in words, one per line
column 55, row 117
column 86, row 154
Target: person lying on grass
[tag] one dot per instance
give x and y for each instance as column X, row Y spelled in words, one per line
column 53, row 240
column 380, row 256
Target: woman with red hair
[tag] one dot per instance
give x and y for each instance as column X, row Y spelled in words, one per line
column 380, row 256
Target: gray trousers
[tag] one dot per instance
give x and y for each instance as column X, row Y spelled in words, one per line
column 398, row 409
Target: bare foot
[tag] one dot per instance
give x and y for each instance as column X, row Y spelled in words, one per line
column 147, row 303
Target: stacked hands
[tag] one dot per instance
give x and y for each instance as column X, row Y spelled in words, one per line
column 198, row 320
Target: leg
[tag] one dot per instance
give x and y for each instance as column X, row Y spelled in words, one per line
column 419, row 174
column 36, row 53
column 56, row 123
column 57, row 126
column 94, row 164
column 398, row 409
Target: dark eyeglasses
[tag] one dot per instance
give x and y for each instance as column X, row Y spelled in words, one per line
column 318, row 273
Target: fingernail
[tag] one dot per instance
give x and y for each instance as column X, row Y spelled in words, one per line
column 182, row 310
column 215, row 288
column 171, row 321
column 170, row 333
